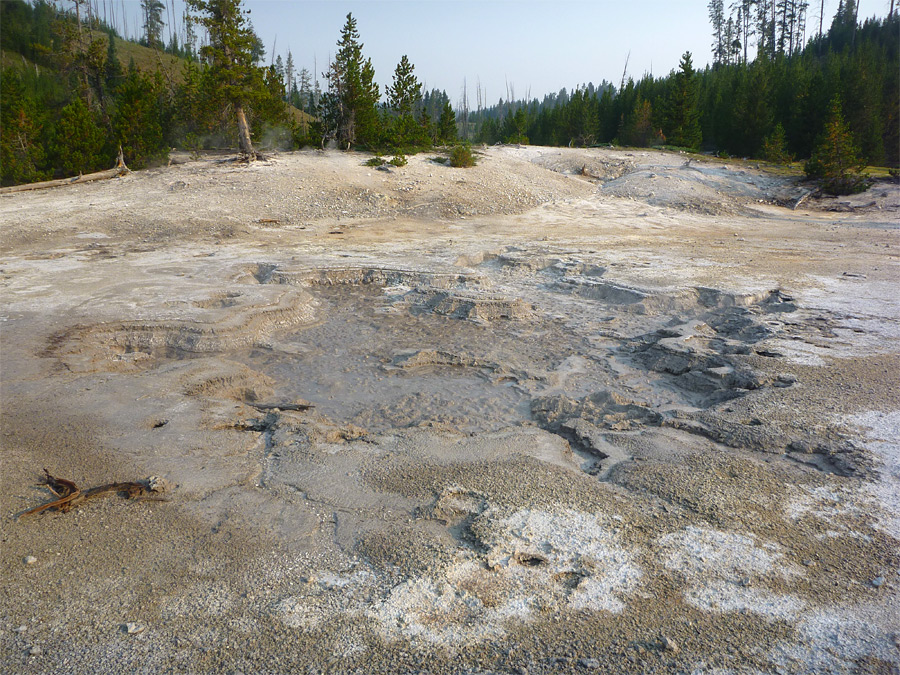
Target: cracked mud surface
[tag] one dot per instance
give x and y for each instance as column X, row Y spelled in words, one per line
column 512, row 419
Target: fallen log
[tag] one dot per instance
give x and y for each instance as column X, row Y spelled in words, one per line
column 119, row 170
column 804, row 197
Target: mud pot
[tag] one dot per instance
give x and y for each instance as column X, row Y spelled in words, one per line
column 567, row 411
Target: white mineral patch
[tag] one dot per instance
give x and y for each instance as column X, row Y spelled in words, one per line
column 699, row 550
column 536, row 560
column 834, row 637
column 725, row 596
column 884, row 440
column 328, row 595
column 718, row 565
column 570, row 543
column 440, row 613
column 830, row 505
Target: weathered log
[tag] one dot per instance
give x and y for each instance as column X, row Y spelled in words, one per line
column 119, row 170
column 804, row 197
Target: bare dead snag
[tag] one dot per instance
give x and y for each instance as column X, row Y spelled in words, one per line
column 69, row 495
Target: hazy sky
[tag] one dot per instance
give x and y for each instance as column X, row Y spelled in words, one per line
column 531, row 44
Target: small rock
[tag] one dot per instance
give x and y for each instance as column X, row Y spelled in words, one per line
column 21, row 629
column 670, row 645
column 35, row 650
column 878, row 582
column 785, row 380
column 30, row 560
column 133, row 628
column 590, row 664
column 809, row 563
column 746, row 581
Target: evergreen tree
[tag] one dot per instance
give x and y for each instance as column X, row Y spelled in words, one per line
column 289, row 84
column 153, row 22
column 404, row 95
column 684, row 107
column 717, row 19
column 350, row 112
column 305, row 93
column 641, row 130
column 233, row 77
column 78, row 140
column 447, row 124
column 775, row 148
column 140, row 119
column 112, row 74
column 21, row 152
column 837, row 161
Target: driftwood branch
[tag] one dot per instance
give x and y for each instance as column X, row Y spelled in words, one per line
column 69, row 495
column 263, row 407
column 119, row 170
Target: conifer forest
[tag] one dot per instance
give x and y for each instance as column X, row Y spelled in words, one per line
column 778, row 88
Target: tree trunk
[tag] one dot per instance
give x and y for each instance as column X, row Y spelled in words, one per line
column 244, row 143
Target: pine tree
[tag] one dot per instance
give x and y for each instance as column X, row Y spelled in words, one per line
column 641, row 132
column 404, row 94
column 112, row 72
column 447, row 124
column 717, row 19
column 775, row 147
column 78, row 140
column 153, row 22
column 233, row 76
column 836, row 160
column 305, row 91
column 140, row 119
column 684, row 107
column 289, row 71
column 350, row 110
column 21, row 153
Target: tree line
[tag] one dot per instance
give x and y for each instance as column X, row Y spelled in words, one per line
column 775, row 106
column 72, row 104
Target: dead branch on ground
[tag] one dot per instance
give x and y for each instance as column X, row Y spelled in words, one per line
column 69, row 495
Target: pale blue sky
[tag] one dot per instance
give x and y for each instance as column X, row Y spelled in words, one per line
column 532, row 44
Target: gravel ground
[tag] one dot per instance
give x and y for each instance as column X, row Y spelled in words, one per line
column 567, row 411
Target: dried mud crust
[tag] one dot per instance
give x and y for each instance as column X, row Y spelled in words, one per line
column 431, row 446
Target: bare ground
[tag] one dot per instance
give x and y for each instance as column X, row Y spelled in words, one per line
column 572, row 410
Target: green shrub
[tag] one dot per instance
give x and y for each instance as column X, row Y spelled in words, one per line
column 399, row 160
column 375, row 161
column 461, row 156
